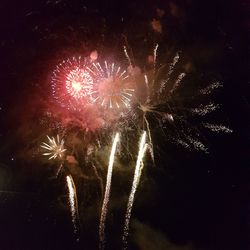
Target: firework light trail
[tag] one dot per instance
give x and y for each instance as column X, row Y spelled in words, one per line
column 72, row 201
column 107, row 192
column 136, row 181
column 126, row 54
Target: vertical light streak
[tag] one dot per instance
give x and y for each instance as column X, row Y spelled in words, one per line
column 126, row 54
column 136, row 181
column 146, row 81
column 147, row 86
column 155, row 52
column 155, row 56
column 151, row 148
column 107, row 192
column 72, row 201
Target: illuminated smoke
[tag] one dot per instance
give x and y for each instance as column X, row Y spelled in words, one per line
column 107, row 192
column 136, row 181
column 72, row 201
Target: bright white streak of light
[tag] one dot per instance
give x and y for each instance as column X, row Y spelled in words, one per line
column 136, row 181
column 170, row 71
column 72, row 201
column 217, row 128
column 151, row 148
column 155, row 54
column 177, row 82
column 107, row 192
column 205, row 109
column 208, row 90
column 146, row 80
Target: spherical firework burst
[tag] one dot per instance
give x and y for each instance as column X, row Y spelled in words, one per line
column 54, row 148
column 72, row 83
column 114, row 87
column 79, row 83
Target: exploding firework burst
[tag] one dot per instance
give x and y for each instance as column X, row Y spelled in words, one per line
column 155, row 102
column 72, row 82
column 54, row 147
column 114, row 86
column 167, row 107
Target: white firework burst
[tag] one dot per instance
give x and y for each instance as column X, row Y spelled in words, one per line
column 54, row 148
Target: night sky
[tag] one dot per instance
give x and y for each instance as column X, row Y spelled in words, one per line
column 187, row 199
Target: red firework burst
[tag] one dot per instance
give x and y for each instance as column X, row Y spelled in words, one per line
column 72, row 83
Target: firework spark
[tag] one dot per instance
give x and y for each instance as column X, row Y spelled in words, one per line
column 205, row 109
column 209, row 89
column 72, row 201
column 107, row 192
column 114, row 86
column 170, row 71
column 217, row 128
column 177, row 82
column 136, row 181
column 55, row 147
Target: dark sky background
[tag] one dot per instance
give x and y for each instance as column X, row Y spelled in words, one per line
column 190, row 200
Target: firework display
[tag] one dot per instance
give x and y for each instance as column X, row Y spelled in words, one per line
column 141, row 102
column 124, row 125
